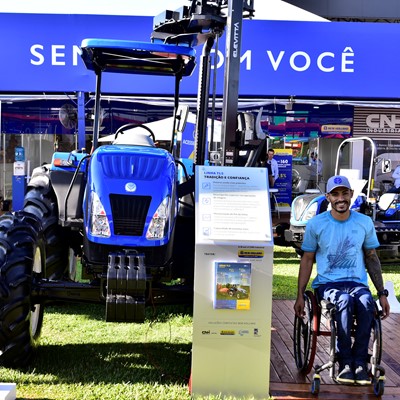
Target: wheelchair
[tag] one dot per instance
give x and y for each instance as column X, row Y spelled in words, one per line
column 308, row 329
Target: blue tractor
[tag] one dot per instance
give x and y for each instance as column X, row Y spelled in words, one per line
column 383, row 208
column 115, row 208
column 122, row 210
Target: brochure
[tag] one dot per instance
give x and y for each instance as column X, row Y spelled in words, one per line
column 232, row 285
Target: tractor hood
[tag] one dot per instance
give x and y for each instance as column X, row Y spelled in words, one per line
column 130, row 182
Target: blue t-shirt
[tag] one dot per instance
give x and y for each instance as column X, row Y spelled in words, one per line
column 339, row 247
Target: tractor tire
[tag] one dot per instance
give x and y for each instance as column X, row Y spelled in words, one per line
column 40, row 200
column 22, row 256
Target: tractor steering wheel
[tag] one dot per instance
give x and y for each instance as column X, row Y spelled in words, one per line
column 123, row 128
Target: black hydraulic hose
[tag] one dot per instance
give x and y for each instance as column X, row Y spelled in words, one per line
column 181, row 193
column 71, row 184
column 178, row 79
column 96, row 125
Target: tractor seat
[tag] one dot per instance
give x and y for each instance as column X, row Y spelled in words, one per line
column 136, row 138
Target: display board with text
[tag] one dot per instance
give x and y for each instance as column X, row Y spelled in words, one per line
column 233, row 283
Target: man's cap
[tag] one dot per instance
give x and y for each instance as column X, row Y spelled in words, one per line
column 337, row 181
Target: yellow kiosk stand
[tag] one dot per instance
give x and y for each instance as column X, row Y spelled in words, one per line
column 232, row 283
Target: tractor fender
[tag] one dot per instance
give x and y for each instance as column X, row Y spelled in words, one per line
column 40, row 177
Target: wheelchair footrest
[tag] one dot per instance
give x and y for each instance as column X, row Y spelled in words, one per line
column 320, row 368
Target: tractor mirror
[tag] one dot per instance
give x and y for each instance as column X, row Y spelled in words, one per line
column 386, row 166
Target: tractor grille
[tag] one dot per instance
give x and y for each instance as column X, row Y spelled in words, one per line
column 129, row 213
column 127, row 166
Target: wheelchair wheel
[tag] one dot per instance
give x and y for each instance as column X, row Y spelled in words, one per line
column 379, row 386
column 376, row 340
column 305, row 335
column 377, row 372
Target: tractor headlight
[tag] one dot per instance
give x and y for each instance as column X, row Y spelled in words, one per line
column 159, row 224
column 311, row 211
column 99, row 225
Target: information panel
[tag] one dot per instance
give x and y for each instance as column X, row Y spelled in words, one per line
column 232, row 283
column 233, row 204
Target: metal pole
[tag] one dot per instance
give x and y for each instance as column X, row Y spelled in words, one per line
column 214, row 146
column 96, row 126
column 202, row 104
column 173, row 145
column 81, row 122
column 231, row 82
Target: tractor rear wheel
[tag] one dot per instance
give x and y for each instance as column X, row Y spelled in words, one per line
column 22, row 256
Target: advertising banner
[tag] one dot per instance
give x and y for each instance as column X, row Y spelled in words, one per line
column 284, row 182
column 282, row 58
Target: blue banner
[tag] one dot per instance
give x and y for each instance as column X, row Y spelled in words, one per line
column 284, row 182
column 279, row 58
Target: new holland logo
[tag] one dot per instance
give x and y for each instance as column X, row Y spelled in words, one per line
column 251, row 253
column 130, row 187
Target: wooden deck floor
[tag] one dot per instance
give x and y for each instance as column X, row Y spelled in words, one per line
column 287, row 383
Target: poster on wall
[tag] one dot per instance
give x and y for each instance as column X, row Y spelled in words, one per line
column 284, row 182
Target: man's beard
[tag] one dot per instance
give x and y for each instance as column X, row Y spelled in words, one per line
column 341, row 211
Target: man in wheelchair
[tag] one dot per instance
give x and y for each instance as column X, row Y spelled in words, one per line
column 343, row 243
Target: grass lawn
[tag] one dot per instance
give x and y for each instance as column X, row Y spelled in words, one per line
column 80, row 356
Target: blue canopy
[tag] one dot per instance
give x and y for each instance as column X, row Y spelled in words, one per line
column 107, row 55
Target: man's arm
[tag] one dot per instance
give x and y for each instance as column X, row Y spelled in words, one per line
column 275, row 169
column 306, row 266
column 373, row 266
column 396, row 173
column 319, row 166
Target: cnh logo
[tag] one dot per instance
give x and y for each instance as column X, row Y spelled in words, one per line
column 382, row 121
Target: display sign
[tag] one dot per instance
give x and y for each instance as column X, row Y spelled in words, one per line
column 377, row 123
column 232, row 283
column 284, row 182
column 233, row 203
column 336, row 131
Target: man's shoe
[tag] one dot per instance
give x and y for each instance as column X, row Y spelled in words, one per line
column 362, row 377
column 346, row 375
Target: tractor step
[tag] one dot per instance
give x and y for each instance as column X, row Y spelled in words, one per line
column 72, row 223
column 126, row 287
